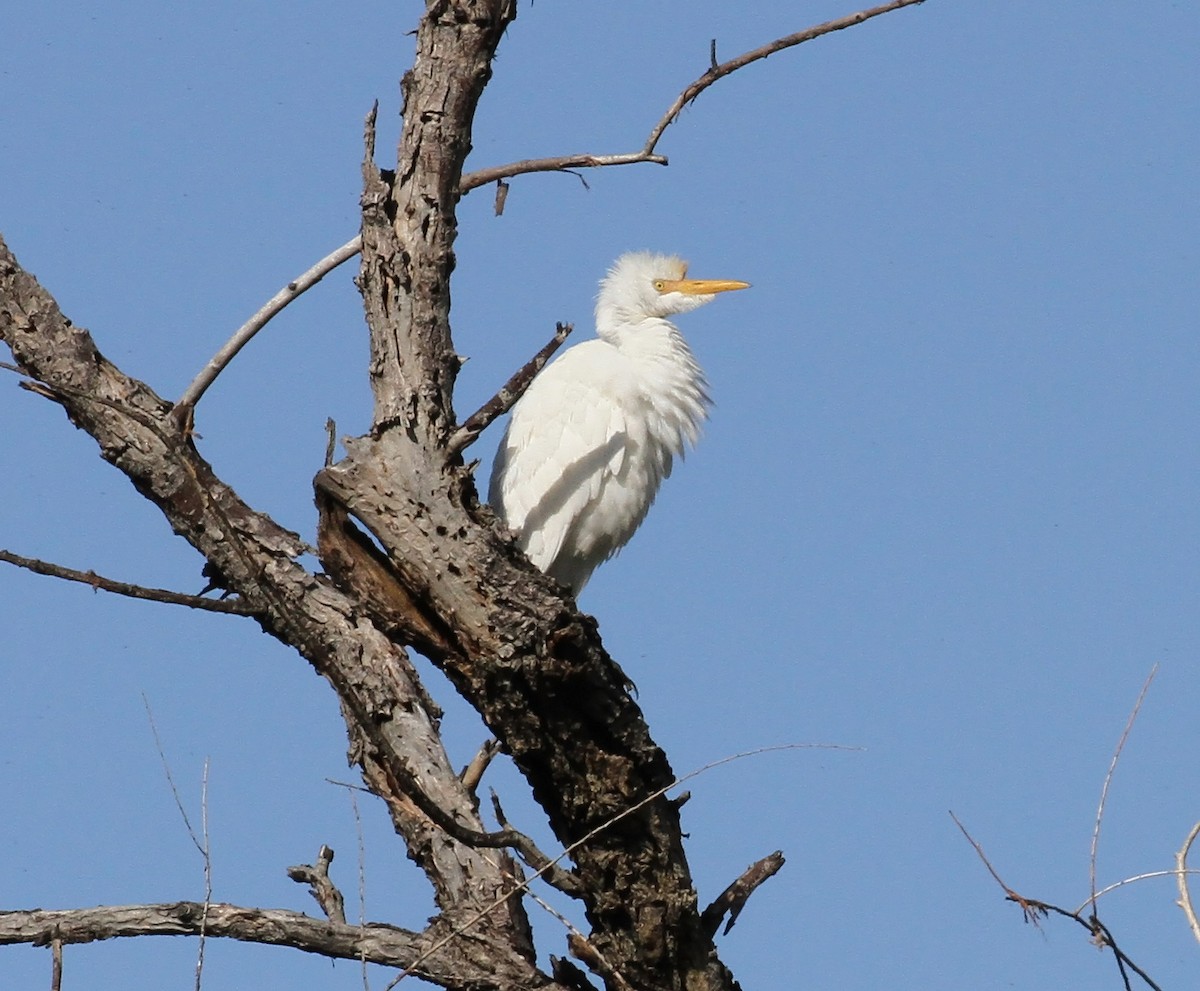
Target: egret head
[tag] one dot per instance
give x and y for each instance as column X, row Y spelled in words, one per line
column 642, row 285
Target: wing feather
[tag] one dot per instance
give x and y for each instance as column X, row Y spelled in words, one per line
column 567, row 440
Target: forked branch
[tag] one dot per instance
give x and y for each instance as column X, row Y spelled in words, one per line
column 473, row 180
column 320, row 885
column 648, row 153
column 1035, row 911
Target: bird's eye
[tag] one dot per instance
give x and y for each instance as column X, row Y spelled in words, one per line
column 660, row 285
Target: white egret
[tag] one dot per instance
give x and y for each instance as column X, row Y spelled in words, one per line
column 596, row 432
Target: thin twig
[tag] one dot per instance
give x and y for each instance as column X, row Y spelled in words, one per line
column 558, row 163
column 1112, row 767
column 235, row 606
column 1034, row 911
column 362, row 884
column 506, row 398
column 56, row 964
column 199, row 843
column 746, row 58
column 206, row 850
column 162, row 756
column 1148, row 875
column 1185, row 895
column 534, row 859
column 299, row 285
column 349, row 786
column 473, row 180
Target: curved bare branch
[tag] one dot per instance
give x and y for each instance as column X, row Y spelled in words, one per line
column 299, row 285
column 720, row 71
column 1108, row 777
column 526, row 166
column 648, row 154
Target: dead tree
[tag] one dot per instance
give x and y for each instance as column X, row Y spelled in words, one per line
column 435, row 575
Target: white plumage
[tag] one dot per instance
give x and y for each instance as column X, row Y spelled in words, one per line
column 596, row 433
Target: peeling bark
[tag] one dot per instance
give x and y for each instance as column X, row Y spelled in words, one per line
column 392, row 730
column 513, row 645
column 446, row 582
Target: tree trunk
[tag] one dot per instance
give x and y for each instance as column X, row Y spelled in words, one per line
column 446, row 582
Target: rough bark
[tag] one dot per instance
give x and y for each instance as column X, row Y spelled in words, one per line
column 518, row 650
column 374, row 943
column 393, row 733
column 447, row 582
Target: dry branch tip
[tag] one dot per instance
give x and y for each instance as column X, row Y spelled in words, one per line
column 320, row 885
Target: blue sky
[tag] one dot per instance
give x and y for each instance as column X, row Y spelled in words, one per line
column 945, row 510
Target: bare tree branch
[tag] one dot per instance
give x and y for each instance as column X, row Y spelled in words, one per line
column 472, row 774
column 1112, row 768
column 388, row 721
column 1185, row 894
column 1145, row 876
column 473, row 180
column 716, row 72
column 506, row 398
column 1102, row 936
column 56, row 964
column 557, row 163
column 375, row 942
column 206, row 851
column 235, row 606
column 733, row 899
column 497, row 173
column 321, row 886
column 545, row 868
column 1034, row 911
column 299, row 285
